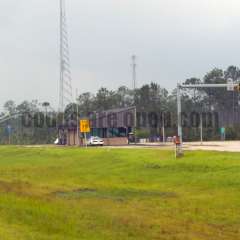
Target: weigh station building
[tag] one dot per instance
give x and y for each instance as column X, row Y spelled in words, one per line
column 114, row 126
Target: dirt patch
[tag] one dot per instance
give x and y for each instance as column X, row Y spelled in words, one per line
column 118, row 195
column 152, row 166
column 74, row 193
column 17, row 187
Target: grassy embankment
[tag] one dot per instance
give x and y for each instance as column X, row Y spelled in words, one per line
column 66, row 194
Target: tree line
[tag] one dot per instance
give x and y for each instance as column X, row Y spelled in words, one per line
column 149, row 98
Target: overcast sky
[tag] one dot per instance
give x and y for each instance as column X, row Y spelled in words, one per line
column 173, row 40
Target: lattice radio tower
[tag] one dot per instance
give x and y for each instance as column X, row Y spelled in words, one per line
column 65, row 83
column 134, row 74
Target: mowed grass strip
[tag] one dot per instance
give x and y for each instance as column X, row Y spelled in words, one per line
column 98, row 193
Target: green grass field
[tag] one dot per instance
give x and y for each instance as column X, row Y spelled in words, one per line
column 108, row 194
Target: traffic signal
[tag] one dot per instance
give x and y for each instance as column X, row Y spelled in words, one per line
column 237, row 88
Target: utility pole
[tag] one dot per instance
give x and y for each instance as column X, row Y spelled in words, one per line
column 134, row 74
column 179, row 112
column 78, row 130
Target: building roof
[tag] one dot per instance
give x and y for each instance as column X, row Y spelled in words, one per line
column 114, row 118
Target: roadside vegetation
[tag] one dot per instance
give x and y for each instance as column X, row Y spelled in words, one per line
column 111, row 194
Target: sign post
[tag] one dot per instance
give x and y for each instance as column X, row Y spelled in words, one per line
column 223, row 133
column 85, row 128
column 9, row 132
column 178, row 147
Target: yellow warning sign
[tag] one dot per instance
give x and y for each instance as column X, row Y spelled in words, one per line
column 85, row 126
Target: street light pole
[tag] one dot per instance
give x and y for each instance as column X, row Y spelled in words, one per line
column 201, row 128
column 163, row 127
column 229, row 86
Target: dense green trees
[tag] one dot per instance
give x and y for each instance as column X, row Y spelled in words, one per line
column 27, row 123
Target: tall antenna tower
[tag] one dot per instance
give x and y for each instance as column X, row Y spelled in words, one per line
column 134, row 74
column 65, row 83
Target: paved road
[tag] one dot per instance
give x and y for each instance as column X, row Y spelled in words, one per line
column 228, row 146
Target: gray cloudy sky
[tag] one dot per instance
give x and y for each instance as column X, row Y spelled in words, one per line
column 173, row 39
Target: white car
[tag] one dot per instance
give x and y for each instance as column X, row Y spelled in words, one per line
column 95, row 141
